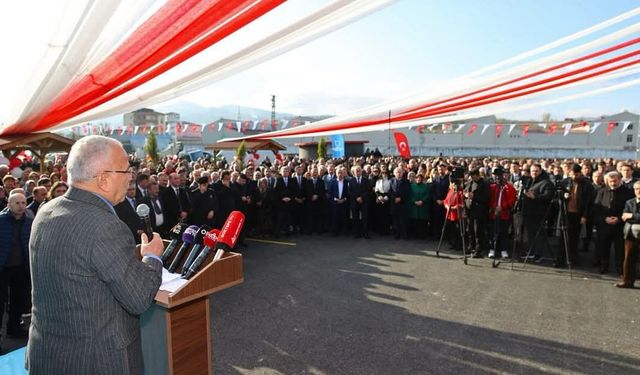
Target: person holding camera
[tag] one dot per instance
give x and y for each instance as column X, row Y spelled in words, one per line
column 535, row 204
column 578, row 196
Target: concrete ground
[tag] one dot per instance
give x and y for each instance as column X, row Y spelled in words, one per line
column 354, row 306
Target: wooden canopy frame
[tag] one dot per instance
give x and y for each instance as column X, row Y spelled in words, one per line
column 39, row 144
column 250, row 144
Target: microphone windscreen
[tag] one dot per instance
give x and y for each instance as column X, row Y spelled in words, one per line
column 189, row 234
column 211, row 238
column 202, row 232
column 177, row 231
column 142, row 210
column 231, row 229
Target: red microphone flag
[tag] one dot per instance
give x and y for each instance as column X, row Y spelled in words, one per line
column 403, row 145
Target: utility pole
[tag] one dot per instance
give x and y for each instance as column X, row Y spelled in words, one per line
column 273, row 111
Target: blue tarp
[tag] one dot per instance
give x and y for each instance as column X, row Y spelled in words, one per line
column 13, row 363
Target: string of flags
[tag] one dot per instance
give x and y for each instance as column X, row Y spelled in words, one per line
column 550, row 128
column 185, row 128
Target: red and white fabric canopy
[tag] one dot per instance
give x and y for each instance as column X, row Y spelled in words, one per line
column 89, row 59
column 543, row 76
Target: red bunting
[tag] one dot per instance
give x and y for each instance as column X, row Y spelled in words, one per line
column 421, row 129
column 194, row 128
column 610, row 127
column 552, row 128
column 498, row 130
column 525, row 130
column 403, row 145
column 472, row 129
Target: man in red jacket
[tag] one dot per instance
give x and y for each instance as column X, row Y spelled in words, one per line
column 501, row 202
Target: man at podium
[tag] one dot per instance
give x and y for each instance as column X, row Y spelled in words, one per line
column 89, row 288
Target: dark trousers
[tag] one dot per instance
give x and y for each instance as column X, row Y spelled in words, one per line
column 573, row 238
column 399, row 222
column 360, row 219
column 283, row 218
column 499, row 230
column 607, row 235
column 14, row 285
column 588, row 227
column 477, row 234
column 339, row 216
column 630, row 260
column 536, row 234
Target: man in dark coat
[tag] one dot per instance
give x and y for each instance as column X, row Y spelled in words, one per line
column 226, row 199
column 607, row 216
column 205, row 204
column 630, row 216
column 400, row 196
column 339, row 200
column 126, row 211
column 476, row 194
column 440, row 189
column 15, row 229
column 156, row 209
column 175, row 200
column 535, row 205
column 578, row 198
column 359, row 195
column 285, row 192
column 317, row 201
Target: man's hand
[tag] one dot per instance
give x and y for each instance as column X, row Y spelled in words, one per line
column 530, row 194
column 611, row 220
column 583, row 220
column 155, row 247
column 359, row 200
column 183, row 214
column 210, row 215
column 439, row 202
column 397, row 200
column 626, row 216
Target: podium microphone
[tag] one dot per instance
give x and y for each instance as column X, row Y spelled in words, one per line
column 143, row 214
column 209, row 242
column 176, row 235
column 187, row 239
column 229, row 234
column 198, row 242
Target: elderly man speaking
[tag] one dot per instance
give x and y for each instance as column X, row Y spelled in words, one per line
column 89, row 288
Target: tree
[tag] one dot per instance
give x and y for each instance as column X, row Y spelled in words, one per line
column 241, row 151
column 151, row 147
column 322, row 148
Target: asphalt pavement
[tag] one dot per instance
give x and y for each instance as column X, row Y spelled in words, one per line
column 355, row 306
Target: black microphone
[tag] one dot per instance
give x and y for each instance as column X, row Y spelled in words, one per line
column 209, row 242
column 176, row 236
column 187, row 239
column 143, row 213
column 198, row 242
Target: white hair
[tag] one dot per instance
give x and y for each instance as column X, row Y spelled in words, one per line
column 88, row 157
column 613, row 174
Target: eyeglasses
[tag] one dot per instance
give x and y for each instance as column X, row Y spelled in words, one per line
column 129, row 171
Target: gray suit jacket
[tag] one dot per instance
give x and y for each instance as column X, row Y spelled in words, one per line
column 88, row 290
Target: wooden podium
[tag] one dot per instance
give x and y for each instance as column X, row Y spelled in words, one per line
column 176, row 334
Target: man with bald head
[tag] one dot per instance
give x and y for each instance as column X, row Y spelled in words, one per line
column 89, row 287
column 15, row 228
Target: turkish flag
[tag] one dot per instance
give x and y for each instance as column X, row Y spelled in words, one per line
column 525, row 130
column 498, row 130
column 552, row 128
column 403, row 145
column 610, row 127
column 472, row 129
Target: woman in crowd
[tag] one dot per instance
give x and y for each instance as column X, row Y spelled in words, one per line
column 420, row 207
column 381, row 216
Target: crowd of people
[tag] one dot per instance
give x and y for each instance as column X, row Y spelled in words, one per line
column 496, row 207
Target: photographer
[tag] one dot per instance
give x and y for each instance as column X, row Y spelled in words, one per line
column 476, row 193
column 535, row 204
column 501, row 202
column 578, row 196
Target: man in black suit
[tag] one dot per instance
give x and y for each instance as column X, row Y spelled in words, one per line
column 156, row 207
column 300, row 206
column 359, row 194
column 285, row 192
column 226, row 199
column 339, row 196
column 440, row 189
column 176, row 201
column 126, row 211
column 579, row 197
column 476, row 194
column 399, row 196
column 142, row 185
column 317, row 201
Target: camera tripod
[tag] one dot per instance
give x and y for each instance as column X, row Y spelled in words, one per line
column 460, row 220
column 561, row 226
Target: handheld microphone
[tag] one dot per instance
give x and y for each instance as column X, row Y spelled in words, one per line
column 176, row 235
column 198, row 242
column 210, row 240
column 187, row 239
column 229, row 234
column 143, row 214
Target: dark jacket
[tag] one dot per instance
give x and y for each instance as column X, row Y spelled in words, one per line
column 543, row 191
column 202, row 204
column 584, row 195
column 334, row 191
column 610, row 203
column 632, row 207
column 173, row 204
column 400, row 189
column 7, row 227
column 152, row 212
column 128, row 215
column 361, row 190
column 478, row 206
